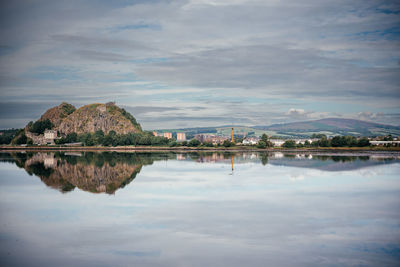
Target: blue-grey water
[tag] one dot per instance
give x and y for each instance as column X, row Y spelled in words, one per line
column 208, row 209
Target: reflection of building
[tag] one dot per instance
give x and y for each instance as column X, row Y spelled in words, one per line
column 181, row 137
column 49, row 161
column 168, row 135
column 215, row 157
column 181, row 157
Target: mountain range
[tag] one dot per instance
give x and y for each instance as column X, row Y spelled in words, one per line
column 328, row 126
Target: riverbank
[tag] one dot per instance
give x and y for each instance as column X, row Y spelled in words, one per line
column 204, row 149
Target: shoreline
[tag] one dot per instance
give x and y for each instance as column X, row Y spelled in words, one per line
column 334, row 150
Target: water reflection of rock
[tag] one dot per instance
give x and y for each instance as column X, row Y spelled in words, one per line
column 93, row 172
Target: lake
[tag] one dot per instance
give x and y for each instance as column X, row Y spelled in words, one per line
column 199, row 209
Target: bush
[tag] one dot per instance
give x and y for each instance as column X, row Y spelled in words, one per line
column 261, row 144
column 172, row 144
column 40, row 126
column 363, row 142
column 208, row 144
column 289, row 144
column 194, row 143
column 20, row 138
column 227, row 143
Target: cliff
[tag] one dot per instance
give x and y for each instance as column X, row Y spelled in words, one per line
column 57, row 114
column 66, row 119
column 106, row 117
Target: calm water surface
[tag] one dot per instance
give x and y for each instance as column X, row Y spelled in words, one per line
column 166, row 209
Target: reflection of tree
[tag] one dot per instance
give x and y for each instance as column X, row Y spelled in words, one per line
column 264, row 158
column 109, row 171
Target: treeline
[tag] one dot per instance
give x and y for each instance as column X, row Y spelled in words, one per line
column 131, row 139
column 40, row 126
column 114, row 139
column 7, row 136
column 337, row 141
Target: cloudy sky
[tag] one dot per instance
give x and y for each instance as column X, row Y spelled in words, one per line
column 191, row 63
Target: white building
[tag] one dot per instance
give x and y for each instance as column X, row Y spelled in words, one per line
column 50, row 135
column 277, row 142
column 383, row 143
column 250, row 141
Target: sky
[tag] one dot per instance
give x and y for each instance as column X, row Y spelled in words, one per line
column 187, row 63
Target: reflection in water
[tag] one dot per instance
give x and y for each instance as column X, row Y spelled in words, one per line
column 186, row 210
column 92, row 172
column 109, row 171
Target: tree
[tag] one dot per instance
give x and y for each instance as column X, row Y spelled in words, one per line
column 71, row 138
column 227, row 143
column 172, row 143
column 99, row 135
column 264, row 138
column 337, row 141
column 194, row 143
column 289, row 144
column 40, row 126
column 261, row 144
column 208, row 144
column 20, row 138
column 324, row 142
column 107, row 140
column 363, row 142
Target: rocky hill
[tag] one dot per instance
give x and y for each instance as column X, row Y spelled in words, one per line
column 66, row 119
column 106, row 117
column 57, row 114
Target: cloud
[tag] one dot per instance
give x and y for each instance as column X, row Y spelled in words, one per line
column 324, row 58
column 301, row 114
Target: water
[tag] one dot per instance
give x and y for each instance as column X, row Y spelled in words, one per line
column 166, row 209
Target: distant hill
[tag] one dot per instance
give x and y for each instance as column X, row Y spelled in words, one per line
column 329, row 126
column 332, row 126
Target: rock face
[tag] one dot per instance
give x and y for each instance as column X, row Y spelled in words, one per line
column 57, row 114
column 67, row 119
column 106, row 117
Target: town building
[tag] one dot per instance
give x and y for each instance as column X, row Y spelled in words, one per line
column 168, row 135
column 384, row 143
column 210, row 138
column 181, row 137
column 277, row 142
column 251, row 141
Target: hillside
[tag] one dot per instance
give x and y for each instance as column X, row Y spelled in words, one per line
column 57, row 114
column 106, row 117
column 330, row 127
column 66, row 119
